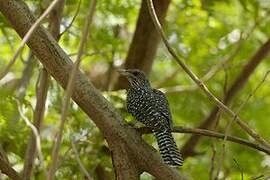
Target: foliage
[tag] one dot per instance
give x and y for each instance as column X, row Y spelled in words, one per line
column 203, row 32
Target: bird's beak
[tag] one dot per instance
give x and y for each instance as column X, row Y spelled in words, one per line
column 123, row 72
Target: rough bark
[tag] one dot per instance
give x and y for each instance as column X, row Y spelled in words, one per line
column 124, row 167
column 42, row 90
column 145, row 41
column 8, row 170
column 189, row 147
column 89, row 99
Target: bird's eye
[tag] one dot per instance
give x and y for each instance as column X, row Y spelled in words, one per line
column 135, row 73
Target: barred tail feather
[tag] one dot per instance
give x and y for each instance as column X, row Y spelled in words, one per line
column 168, row 150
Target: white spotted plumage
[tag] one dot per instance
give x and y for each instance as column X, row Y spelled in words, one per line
column 151, row 107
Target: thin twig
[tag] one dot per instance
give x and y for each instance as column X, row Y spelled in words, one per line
column 70, row 87
column 213, row 158
column 213, row 70
column 213, row 134
column 202, row 86
column 35, row 132
column 77, row 157
column 259, row 177
column 41, row 93
column 228, row 126
column 42, row 85
column 222, row 157
column 240, row 169
column 27, row 36
column 73, row 19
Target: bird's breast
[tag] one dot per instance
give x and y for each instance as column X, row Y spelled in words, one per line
column 139, row 104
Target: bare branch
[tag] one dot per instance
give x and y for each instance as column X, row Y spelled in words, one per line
column 27, row 36
column 88, row 98
column 209, row 133
column 69, row 91
column 202, row 86
column 73, row 19
column 240, row 169
column 55, row 17
column 8, row 170
column 240, row 80
column 77, row 157
column 142, row 49
column 36, row 133
column 229, row 124
column 41, row 94
column 213, row 158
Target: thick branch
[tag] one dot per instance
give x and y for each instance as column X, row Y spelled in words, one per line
column 189, row 146
column 69, row 90
column 7, row 170
column 200, row 84
column 41, row 92
column 145, row 41
column 26, row 38
column 124, row 167
column 58, row 64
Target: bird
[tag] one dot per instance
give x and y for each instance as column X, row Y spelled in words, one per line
column 150, row 107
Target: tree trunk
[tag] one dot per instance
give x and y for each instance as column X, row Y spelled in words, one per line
column 145, row 41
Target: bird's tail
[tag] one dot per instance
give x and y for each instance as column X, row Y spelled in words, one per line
column 168, row 149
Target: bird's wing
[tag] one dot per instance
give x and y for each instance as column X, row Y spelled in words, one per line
column 163, row 106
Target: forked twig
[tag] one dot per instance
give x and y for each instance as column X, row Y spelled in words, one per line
column 69, row 90
column 26, row 38
column 202, row 86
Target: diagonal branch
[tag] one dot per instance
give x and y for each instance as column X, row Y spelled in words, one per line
column 77, row 157
column 38, row 118
column 27, row 36
column 142, row 49
column 88, row 98
column 55, row 17
column 69, row 91
column 242, row 78
column 72, row 21
column 202, row 86
column 212, row 134
column 8, row 170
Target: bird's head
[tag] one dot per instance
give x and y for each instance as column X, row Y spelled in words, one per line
column 136, row 77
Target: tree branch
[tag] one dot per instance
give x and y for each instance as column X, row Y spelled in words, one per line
column 55, row 17
column 9, row 171
column 202, row 86
column 145, row 41
column 213, row 134
column 26, row 38
column 72, row 21
column 36, row 135
column 41, row 95
column 77, row 157
column 69, row 90
column 241, row 79
column 89, row 99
